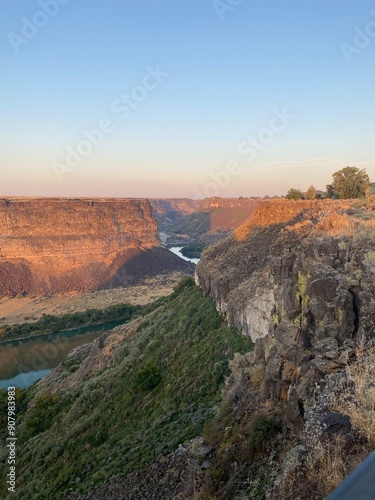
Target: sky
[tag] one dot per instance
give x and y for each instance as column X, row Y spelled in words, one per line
column 184, row 98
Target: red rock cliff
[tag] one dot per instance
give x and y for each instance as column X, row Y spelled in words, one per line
column 57, row 245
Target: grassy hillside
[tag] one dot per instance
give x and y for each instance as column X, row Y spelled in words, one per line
column 193, row 225
column 161, row 387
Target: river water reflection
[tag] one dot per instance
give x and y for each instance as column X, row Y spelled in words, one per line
column 22, row 362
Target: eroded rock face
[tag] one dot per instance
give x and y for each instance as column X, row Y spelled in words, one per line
column 301, row 286
column 208, row 221
column 60, row 245
column 168, row 211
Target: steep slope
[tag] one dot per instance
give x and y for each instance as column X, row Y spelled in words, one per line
column 124, row 401
column 59, row 245
column 307, row 263
column 298, row 278
column 290, row 421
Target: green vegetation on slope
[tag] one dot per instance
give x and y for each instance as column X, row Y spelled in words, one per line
column 193, row 225
column 193, row 251
column 49, row 324
column 160, row 391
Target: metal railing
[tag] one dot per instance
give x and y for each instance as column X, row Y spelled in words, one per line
column 360, row 484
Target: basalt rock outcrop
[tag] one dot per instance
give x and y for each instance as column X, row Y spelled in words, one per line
column 61, row 245
column 298, row 278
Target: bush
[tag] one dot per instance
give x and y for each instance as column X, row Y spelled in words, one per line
column 148, row 377
column 42, row 415
column 187, row 282
column 261, row 430
column 294, row 194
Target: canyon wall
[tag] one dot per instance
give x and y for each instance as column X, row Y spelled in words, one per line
column 212, row 220
column 168, row 211
column 298, row 278
column 58, row 245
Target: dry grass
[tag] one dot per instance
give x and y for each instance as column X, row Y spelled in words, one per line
column 333, row 459
column 326, row 465
column 323, row 469
column 30, row 309
column 330, row 463
column 257, row 376
column 358, row 399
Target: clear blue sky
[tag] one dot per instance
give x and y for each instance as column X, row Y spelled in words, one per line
column 226, row 76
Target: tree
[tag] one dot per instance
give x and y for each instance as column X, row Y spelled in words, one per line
column 330, row 191
column 310, row 193
column 350, row 182
column 294, row 194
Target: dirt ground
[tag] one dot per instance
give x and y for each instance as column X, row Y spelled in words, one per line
column 29, row 309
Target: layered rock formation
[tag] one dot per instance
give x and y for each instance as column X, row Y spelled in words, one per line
column 298, row 278
column 59, row 245
column 213, row 220
column 168, row 211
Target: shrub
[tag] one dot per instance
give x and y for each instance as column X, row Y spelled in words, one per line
column 294, row 194
column 187, row 282
column 148, row 377
column 42, row 414
column 261, row 430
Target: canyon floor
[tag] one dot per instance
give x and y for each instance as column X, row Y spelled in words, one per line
column 28, row 309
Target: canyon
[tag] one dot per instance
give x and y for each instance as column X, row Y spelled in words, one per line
column 206, row 221
column 59, row 245
column 170, row 210
column 229, row 388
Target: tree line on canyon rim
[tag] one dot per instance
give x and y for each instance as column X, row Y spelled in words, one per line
column 347, row 183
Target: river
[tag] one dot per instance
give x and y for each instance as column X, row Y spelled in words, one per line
column 23, row 362
column 177, row 251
